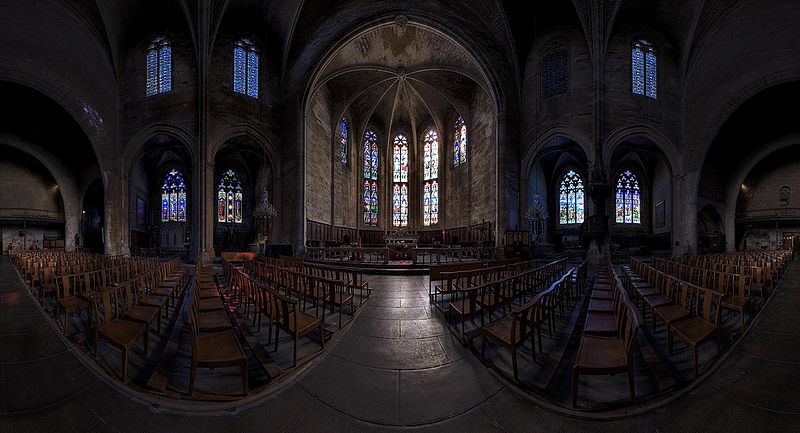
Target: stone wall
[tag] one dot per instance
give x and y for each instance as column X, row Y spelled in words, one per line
column 319, row 157
column 26, row 184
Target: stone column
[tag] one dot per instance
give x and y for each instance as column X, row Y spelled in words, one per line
column 116, row 218
column 684, row 214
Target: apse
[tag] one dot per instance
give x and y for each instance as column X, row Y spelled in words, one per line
column 400, row 135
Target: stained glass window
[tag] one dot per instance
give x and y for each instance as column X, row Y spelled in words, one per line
column 173, row 197
column 460, row 142
column 159, row 67
column 644, row 72
column 430, row 213
column 400, row 177
column 555, row 73
column 343, row 140
column 370, row 178
column 229, row 199
column 628, row 199
column 571, row 199
column 245, row 68
column 370, row 155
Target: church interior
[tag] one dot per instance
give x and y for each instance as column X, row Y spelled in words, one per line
column 428, row 216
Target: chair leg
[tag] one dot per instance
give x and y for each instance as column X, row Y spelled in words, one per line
column 294, row 351
column 483, row 347
column 575, row 377
column 631, row 383
column 694, row 362
column 245, row 386
column 514, row 361
column 125, row 365
column 192, row 377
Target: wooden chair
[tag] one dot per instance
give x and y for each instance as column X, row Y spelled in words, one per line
column 120, row 333
column 70, row 300
column 295, row 323
column 677, row 311
column 738, row 299
column 601, row 323
column 215, row 350
column 701, row 327
column 139, row 313
column 510, row 332
column 211, row 321
column 467, row 307
column 338, row 295
column 604, row 355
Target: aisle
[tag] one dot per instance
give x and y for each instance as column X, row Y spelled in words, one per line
column 398, row 364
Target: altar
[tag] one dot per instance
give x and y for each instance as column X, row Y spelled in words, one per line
column 400, row 244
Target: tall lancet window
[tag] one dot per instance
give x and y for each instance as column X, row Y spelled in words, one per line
column 571, row 199
column 229, row 199
column 430, row 190
column 644, row 72
column 159, row 66
column 245, row 68
column 459, row 142
column 370, row 178
column 400, row 179
column 343, row 134
column 628, row 199
column 173, row 197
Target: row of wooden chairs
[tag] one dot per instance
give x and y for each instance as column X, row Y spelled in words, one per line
column 451, row 283
column 689, row 312
column 608, row 342
column 124, row 313
column 281, row 311
column 526, row 321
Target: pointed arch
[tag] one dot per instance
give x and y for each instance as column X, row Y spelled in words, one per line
column 571, row 199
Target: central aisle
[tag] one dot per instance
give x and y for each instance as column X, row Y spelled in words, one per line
column 398, row 364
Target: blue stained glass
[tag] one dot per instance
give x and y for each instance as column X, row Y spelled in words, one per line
column 252, row 74
column 245, row 68
column 571, row 199
column 644, row 72
column 165, row 70
column 374, row 171
column 460, row 142
column 651, row 74
column 343, row 140
column 173, row 197
column 159, row 67
column 628, row 199
column 152, row 72
column 239, row 69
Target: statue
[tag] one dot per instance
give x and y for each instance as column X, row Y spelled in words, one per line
column 263, row 212
column 538, row 216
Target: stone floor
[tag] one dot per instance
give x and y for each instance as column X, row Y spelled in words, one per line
column 396, row 368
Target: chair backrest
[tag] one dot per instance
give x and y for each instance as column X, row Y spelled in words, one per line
column 709, row 306
column 66, row 286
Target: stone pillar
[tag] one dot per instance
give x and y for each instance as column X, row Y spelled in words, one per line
column 684, row 214
column 116, row 215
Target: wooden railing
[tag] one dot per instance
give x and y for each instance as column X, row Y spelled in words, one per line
column 417, row 255
column 766, row 214
column 38, row 214
column 448, row 255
